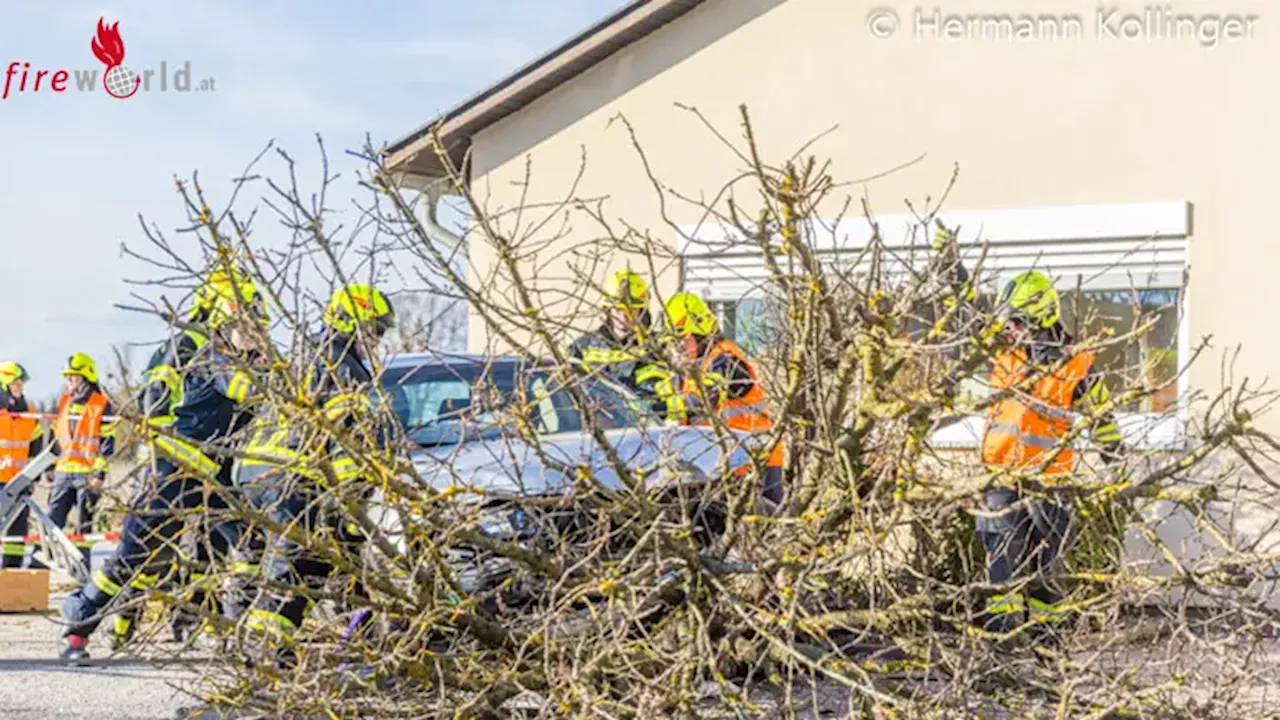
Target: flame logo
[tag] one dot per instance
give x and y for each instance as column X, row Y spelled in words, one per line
column 107, row 46
column 119, row 81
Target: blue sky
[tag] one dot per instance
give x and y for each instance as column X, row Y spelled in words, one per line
column 77, row 169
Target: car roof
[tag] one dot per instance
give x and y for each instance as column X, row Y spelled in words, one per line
column 436, row 359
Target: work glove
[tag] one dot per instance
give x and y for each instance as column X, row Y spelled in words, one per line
column 97, row 481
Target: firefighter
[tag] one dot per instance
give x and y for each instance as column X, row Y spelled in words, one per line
column 21, row 438
column 1049, row 383
column 619, row 350
column 193, row 396
column 286, row 468
column 162, row 400
column 84, row 437
column 725, row 382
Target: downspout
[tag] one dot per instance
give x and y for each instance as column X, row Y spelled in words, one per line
column 432, row 191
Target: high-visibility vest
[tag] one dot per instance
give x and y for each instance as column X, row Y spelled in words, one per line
column 1026, row 427
column 79, row 451
column 16, row 434
column 749, row 412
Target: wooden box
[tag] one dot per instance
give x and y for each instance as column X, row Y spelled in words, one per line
column 24, row 590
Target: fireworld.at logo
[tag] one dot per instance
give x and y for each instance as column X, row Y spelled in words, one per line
column 118, row 80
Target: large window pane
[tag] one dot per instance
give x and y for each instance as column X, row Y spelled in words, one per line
column 751, row 322
column 1148, row 356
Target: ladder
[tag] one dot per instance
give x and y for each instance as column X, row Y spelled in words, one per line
column 57, row 550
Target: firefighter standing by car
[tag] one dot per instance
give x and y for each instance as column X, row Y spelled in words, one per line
column 84, row 437
column 725, row 382
column 1048, row 382
column 193, row 396
column 619, row 350
column 286, row 468
column 21, row 438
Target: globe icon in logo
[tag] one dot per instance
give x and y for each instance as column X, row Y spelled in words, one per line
column 121, row 82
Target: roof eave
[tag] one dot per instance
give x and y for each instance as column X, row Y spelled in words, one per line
column 417, row 154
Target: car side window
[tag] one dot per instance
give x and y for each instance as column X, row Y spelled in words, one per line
column 544, row 409
column 425, row 403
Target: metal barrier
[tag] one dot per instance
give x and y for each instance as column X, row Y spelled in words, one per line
column 56, row 549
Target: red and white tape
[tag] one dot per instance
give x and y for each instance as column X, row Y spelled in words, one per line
column 73, row 537
column 53, row 416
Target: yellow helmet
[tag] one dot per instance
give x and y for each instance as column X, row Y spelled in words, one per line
column 1032, row 294
column 11, row 372
column 625, row 290
column 359, row 304
column 688, row 314
column 82, row 365
column 220, row 298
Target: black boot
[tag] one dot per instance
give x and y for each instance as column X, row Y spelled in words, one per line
column 75, row 649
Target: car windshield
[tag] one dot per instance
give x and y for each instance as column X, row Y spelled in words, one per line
column 448, row 403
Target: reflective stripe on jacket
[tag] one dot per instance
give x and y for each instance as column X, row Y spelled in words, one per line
column 750, row 412
column 16, row 435
column 338, row 383
column 165, row 388
column 80, row 450
column 1025, row 428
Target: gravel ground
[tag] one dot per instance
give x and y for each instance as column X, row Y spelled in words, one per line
column 35, row 685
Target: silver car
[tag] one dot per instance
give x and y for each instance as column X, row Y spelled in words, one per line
column 456, row 413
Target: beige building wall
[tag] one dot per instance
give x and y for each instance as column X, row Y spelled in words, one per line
column 1084, row 120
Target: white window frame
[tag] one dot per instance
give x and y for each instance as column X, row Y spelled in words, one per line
column 721, row 267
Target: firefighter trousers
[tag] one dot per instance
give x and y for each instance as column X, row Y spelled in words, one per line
column 71, row 490
column 150, row 540
column 284, row 499
column 1023, row 538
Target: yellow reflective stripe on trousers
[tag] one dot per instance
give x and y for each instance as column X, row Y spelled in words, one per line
column 1004, row 604
column 15, row 549
column 105, row 584
column 345, row 469
column 1045, row 612
column 143, row 581
column 187, row 455
column 123, row 624
column 273, row 623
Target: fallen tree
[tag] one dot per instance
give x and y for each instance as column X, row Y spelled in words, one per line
column 862, row 594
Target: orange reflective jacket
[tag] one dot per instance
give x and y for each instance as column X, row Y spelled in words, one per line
column 749, row 412
column 1023, row 430
column 79, row 450
column 15, row 444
